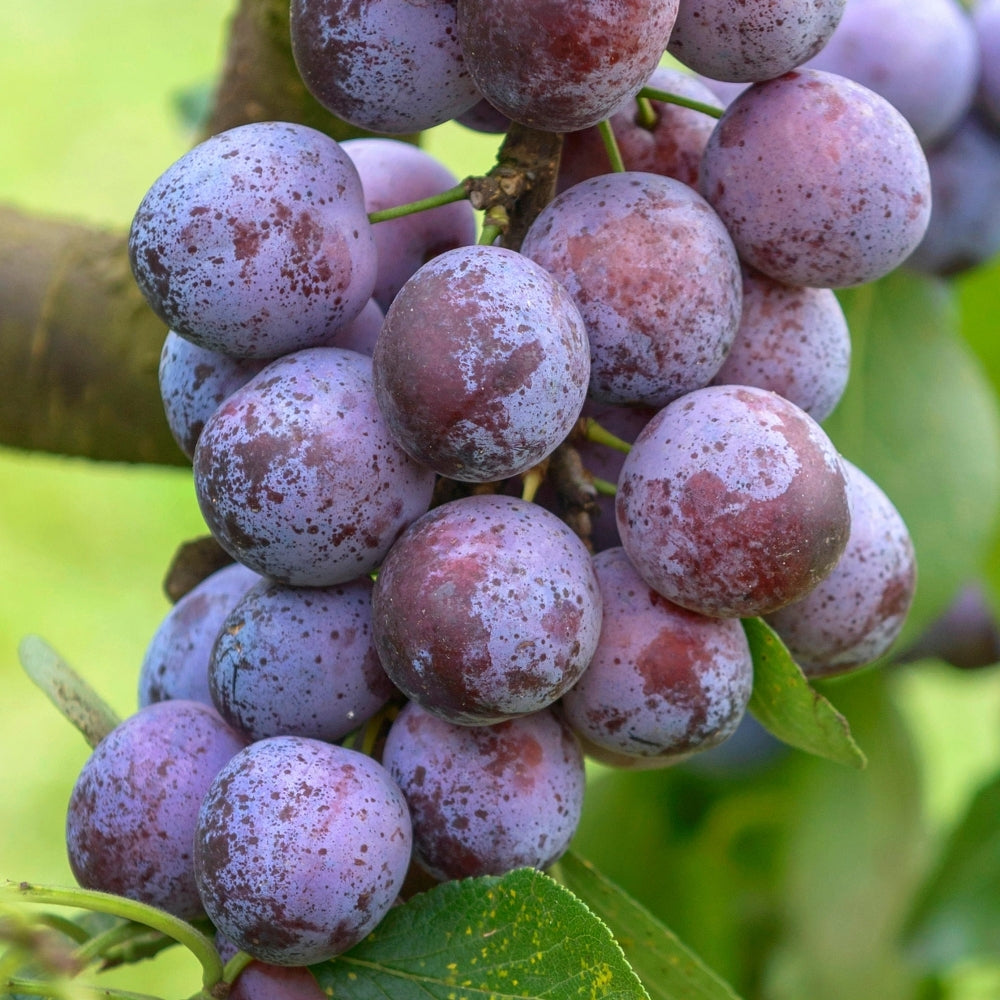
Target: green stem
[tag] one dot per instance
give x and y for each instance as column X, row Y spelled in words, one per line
column 611, row 146
column 531, row 482
column 593, row 431
column 120, row 906
column 14, row 958
column 59, row 923
column 99, row 944
column 235, row 966
column 489, row 235
column 665, row 97
column 604, row 486
column 368, row 736
column 458, row 193
column 495, row 222
column 46, row 988
column 646, row 114
column 145, row 942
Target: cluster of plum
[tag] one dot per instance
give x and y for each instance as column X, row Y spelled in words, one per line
column 413, row 650
column 938, row 62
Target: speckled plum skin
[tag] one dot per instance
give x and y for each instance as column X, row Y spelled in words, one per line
column 655, row 276
column 920, row 55
column 672, row 146
column 175, row 664
column 964, row 230
column 482, row 365
column 395, row 173
column 301, row 848
column 793, row 341
column 384, row 65
column 854, row 615
column 820, row 181
column 263, row 981
column 732, row 502
column 559, row 65
column 297, row 475
column 483, row 117
column 299, row 661
column 486, row 609
column 194, row 382
column 132, row 813
column 740, row 42
column 256, row 242
column 361, row 333
column 487, row 799
column 986, row 22
column 664, row 682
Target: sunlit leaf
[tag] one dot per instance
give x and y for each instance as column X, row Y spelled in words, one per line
column 668, row 969
column 788, row 706
column 977, row 297
column 702, row 854
column 520, row 935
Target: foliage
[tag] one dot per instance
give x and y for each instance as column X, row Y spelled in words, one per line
column 784, row 874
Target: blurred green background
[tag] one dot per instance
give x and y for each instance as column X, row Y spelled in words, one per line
column 90, row 97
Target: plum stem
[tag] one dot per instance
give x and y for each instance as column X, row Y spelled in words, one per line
column 489, row 235
column 460, row 192
column 611, row 146
column 77, row 991
column 131, row 909
column 235, row 966
column 645, row 114
column 593, row 431
column 665, row 97
column 495, row 222
column 532, row 480
column 98, row 946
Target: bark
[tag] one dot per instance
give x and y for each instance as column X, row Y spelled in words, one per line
column 534, row 157
column 79, row 347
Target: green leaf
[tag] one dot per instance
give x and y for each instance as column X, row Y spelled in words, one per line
column 67, row 690
column 957, row 915
column 702, row 853
column 490, row 938
column 668, row 969
column 920, row 417
column 855, row 848
column 121, row 906
column 976, row 291
column 787, row 705
column 977, row 301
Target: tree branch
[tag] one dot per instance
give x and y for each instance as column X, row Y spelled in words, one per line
column 79, row 347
